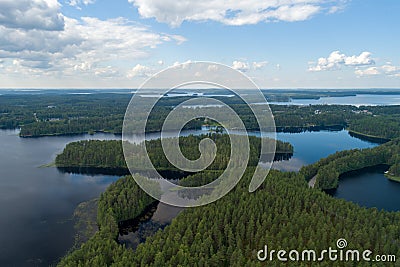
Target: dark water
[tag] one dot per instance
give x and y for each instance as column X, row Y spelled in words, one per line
column 370, row 188
column 37, row 203
column 158, row 216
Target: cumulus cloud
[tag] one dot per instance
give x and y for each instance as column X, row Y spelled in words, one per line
column 336, row 60
column 107, row 72
column 139, row 71
column 28, row 14
column 212, row 68
column 363, row 59
column 183, row 65
column 367, row 72
column 259, row 65
column 241, row 66
column 232, row 12
column 78, row 3
column 388, row 70
column 85, row 46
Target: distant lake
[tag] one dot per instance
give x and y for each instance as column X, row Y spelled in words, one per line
column 37, row 203
column 357, row 100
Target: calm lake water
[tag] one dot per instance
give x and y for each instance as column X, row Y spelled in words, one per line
column 370, row 188
column 357, row 100
column 37, row 203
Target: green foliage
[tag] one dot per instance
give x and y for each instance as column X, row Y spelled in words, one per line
column 384, row 126
column 123, row 200
column 283, row 214
column 109, row 153
column 328, row 170
column 47, row 114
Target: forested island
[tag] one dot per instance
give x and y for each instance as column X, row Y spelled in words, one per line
column 109, row 154
column 53, row 114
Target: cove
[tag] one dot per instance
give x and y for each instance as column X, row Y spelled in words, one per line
column 369, row 188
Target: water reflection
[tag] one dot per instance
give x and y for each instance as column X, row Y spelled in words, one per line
column 156, row 217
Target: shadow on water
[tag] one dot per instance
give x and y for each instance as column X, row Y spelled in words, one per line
column 367, row 138
column 167, row 174
column 155, row 217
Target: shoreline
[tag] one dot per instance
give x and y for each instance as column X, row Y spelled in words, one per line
column 368, row 137
column 393, row 178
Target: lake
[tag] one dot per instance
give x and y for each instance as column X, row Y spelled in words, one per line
column 370, row 188
column 37, row 203
column 357, row 100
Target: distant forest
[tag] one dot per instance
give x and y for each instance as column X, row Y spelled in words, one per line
column 56, row 114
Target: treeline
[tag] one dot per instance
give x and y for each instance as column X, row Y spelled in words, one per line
column 328, row 170
column 283, row 214
column 72, row 126
column 387, row 126
column 109, row 153
column 123, row 200
column 92, row 153
column 307, row 117
column 47, row 114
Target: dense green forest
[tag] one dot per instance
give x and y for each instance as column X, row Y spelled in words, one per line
column 387, row 126
column 328, row 170
column 109, row 153
column 56, row 114
column 283, row 214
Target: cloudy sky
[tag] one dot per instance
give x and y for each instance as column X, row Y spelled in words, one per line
column 278, row 43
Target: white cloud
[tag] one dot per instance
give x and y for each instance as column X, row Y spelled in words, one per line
column 160, row 62
column 183, row 65
column 241, row 66
column 212, row 68
column 107, row 72
column 28, row 14
column 336, row 60
column 84, row 47
column 367, row 72
column 78, row 3
column 363, row 59
column 139, row 71
column 233, row 12
column 259, row 65
column 388, row 70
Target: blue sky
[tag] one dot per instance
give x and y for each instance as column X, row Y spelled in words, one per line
column 120, row 43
